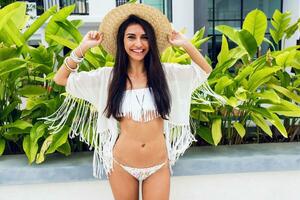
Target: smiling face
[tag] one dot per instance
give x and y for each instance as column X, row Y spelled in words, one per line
column 136, row 42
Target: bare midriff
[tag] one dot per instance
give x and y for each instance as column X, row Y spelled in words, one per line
column 140, row 144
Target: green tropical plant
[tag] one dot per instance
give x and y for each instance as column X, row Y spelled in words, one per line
column 26, row 74
column 258, row 91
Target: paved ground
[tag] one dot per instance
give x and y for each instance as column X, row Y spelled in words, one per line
column 242, row 186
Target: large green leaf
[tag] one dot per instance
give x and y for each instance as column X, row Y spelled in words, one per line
column 239, row 128
column 65, row 149
column 260, row 77
column 65, row 42
column 52, row 28
column 30, row 144
column 270, row 95
column 282, row 58
column 259, row 121
column 285, row 108
column 9, row 108
column 223, row 82
column 203, row 108
column 243, row 73
column 273, row 118
column 11, row 65
column 58, row 139
column 280, row 22
column 39, row 22
column 290, row 31
column 278, row 124
column 8, row 52
column 256, row 23
column 167, row 55
column 37, row 131
column 9, row 11
column 20, row 124
column 248, row 42
column 29, row 90
column 13, row 32
column 232, row 101
column 224, row 53
column 19, row 18
column 41, row 56
column 205, row 134
column 41, row 155
column 285, row 92
column 230, row 32
column 30, row 148
column 2, row 146
column 71, row 29
column 62, row 41
column 216, row 130
column 52, row 143
column 270, row 43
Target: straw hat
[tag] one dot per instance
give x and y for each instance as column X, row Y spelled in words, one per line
column 111, row 22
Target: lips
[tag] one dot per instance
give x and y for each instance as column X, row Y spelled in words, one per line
column 139, row 51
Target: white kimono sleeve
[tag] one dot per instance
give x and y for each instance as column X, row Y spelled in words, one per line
column 85, row 85
column 188, row 77
column 182, row 81
column 80, row 105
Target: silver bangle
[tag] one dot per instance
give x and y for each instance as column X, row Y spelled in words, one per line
column 68, row 67
column 80, row 49
column 75, row 58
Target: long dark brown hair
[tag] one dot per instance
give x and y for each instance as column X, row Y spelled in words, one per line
column 155, row 74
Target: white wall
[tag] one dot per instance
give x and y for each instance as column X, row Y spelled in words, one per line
column 182, row 11
column 183, row 16
column 294, row 7
column 97, row 10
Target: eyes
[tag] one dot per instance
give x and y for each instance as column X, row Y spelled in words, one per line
column 131, row 37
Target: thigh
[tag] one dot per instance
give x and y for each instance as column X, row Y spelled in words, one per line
column 157, row 186
column 123, row 185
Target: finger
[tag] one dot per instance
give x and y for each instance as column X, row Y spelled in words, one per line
column 99, row 37
column 170, row 39
column 94, row 34
column 90, row 35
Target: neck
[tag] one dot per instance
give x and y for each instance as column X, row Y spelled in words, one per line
column 136, row 67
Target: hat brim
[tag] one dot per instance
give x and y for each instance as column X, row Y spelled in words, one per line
column 112, row 21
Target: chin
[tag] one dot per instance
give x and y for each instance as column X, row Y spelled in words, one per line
column 137, row 58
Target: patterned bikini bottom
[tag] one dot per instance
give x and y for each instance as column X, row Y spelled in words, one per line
column 141, row 173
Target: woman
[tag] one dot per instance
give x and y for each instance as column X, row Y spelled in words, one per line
column 141, row 123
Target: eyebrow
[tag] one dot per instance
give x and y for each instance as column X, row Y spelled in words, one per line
column 144, row 34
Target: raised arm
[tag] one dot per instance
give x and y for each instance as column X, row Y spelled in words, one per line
column 91, row 39
column 178, row 39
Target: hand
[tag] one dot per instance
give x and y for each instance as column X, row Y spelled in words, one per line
column 91, row 39
column 177, row 39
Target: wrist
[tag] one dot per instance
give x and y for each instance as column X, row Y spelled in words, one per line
column 186, row 44
column 82, row 48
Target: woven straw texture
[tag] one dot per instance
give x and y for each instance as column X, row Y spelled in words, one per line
column 111, row 22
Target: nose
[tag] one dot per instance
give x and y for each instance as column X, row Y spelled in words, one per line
column 138, row 42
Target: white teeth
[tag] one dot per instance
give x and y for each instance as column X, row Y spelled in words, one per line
column 137, row 51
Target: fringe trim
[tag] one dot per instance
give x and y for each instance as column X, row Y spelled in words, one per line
column 103, row 155
column 137, row 115
column 178, row 139
column 84, row 125
column 204, row 91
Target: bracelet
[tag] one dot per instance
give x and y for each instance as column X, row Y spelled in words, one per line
column 75, row 58
column 80, row 49
column 68, row 67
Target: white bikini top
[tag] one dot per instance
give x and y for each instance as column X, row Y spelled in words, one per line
column 139, row 104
